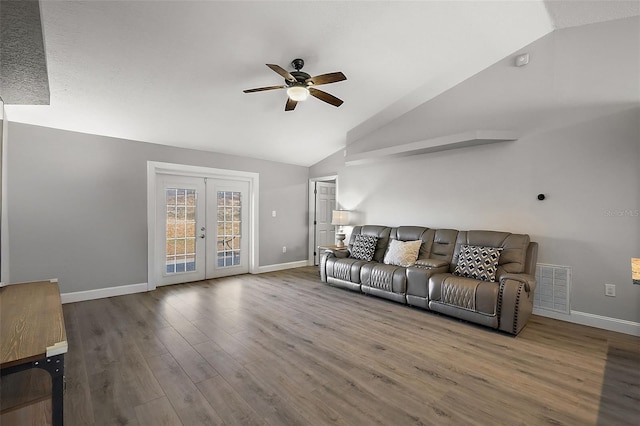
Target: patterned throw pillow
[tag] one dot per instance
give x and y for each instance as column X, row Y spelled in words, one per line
column 402, row 253
column 364, row 247
column 478, row 262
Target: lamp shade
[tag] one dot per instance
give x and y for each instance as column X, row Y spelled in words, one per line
column 340, row 217
column 298, row 93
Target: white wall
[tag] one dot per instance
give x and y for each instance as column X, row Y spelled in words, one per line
column 577, row 109
column 77, row 206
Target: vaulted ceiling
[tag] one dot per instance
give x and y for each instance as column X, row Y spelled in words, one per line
column 172, row 72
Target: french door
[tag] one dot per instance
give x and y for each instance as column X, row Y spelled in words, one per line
column 201, row 228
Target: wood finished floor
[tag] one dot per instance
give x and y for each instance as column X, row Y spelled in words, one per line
column 284, row 349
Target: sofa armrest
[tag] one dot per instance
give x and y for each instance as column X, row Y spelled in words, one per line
column 529, row 281
column 515, row 301
column 338, row 253
column 329, row 254
column 430, row 263
column 418, row 279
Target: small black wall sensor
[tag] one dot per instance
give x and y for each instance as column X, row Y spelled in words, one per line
column 541, row 197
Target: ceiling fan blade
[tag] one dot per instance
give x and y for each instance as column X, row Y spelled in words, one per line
column 332, row 77
column 291, row 104
column 324, row 96
column 262, row 89
column 287, row 76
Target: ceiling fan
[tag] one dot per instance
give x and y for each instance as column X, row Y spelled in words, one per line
column 300, row 85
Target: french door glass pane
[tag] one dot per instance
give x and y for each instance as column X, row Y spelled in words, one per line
column 181, row 230
column 228, row 217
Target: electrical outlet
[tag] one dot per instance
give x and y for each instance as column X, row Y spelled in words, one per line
column 610, row 290
column 284, row 249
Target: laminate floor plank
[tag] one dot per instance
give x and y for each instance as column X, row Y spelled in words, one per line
column 77, row 399
column 119, row 386
column 111, row 405
column 189, row 404
column 231, row 406
column 158, row 412
column 283, row 348
column 196, row 367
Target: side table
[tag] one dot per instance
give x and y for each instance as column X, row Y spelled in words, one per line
column 33, row 335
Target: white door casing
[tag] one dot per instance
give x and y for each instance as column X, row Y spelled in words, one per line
column 250, row 226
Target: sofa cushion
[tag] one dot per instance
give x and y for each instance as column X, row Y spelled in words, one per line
column 387, row 278
column 364, row 246
column 443, row 245
column 478, row 262
column 402, row 253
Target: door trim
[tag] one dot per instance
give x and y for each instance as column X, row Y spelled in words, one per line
column 155, row 167
column 312, row 211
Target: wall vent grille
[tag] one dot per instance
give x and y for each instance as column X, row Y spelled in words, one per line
column 553, row 288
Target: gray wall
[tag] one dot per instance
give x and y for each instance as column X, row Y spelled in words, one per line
column 77, row 206
column 329, row 166
column 577, row 109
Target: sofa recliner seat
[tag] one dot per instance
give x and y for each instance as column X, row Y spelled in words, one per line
column 481, row 301
column 342, row 271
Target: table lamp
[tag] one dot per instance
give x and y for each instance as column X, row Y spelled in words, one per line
column 340, row 218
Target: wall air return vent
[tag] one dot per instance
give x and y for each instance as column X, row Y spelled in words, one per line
column 553, row 288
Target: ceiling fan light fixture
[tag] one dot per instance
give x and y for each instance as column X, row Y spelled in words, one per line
column 298, row 85
column 298, row 93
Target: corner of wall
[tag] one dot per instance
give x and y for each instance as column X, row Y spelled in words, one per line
column 4, row 223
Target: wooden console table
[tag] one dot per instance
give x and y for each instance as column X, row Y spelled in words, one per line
column 32, row 335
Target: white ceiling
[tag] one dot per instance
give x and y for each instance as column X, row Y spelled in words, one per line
column 172, row 72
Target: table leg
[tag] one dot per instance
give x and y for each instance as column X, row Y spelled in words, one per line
column 55, row 367
column 57, row 392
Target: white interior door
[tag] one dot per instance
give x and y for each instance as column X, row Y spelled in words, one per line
column 228, row 206
column 202, row 228
column 180, row 241
column 325, row 232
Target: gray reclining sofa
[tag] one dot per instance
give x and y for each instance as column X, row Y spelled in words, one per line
column 485, row 277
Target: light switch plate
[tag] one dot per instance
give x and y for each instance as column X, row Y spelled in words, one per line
column 610, row 290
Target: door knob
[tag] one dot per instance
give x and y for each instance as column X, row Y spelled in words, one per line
column 202, row 236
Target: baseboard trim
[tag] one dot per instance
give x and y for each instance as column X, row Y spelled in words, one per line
column 280, row 267
column 101, row 293
column 592, row 320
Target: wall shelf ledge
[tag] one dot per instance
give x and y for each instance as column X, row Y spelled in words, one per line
column 442, row 143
